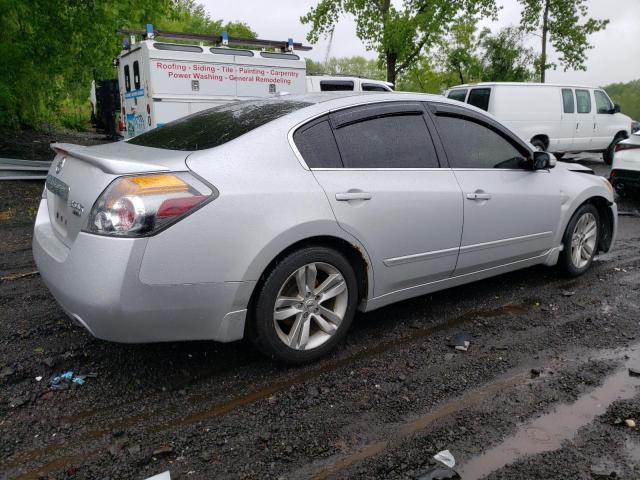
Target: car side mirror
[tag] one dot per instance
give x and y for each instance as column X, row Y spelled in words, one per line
column 543, row 160
column 616, row 108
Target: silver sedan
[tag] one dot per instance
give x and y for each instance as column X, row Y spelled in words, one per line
column 277, row 219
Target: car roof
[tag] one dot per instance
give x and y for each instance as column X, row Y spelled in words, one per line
column 521, row 84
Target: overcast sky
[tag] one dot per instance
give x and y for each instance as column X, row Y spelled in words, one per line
column 615, row 57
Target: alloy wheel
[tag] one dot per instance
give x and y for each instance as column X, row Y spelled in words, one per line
column 310, row 306
column 583, row 240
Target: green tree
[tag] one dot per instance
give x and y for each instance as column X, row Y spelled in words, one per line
column 627, row 95
column 505, row 57
column 357, row 66
column 558, row 22
column 398, row 35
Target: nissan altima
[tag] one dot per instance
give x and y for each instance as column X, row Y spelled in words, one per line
column 277, row 219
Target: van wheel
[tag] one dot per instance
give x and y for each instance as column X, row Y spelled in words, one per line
column 539, row 144
column 607, row 155
column 305, row 306
column 580, row 241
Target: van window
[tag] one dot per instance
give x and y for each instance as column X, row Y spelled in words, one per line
column 178, row 48
column 479, row 97
column 231, row 51
column 136, row 75
column 481, row 148
column 372, row 87
column 317, row 145
column 216, row 126
column 603, row 104
column 335, row 85
column 568, row 104
column 459, row 94
column 281, row 56
column 398, row 141
column 583, row 99
column 127, row 78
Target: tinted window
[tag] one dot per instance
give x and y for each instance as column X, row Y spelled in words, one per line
column 177, row 48
column 583, row 99
column 479, row 97
column 567, row 101
column 281, row 56
column 136, row 75
column 459, row 94
column 231, row 51
column 335, row 85
column 372, row 87
column 216, row 126
column 603, row 104
column 317, row 146
column 127, row 78
column 399, row 141
column 472, row 145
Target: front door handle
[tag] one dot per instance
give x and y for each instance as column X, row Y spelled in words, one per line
column 347, row 196
column 478, row 196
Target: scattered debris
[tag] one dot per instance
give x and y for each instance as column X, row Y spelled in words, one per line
column 567, row 293
column 445, row 457
column 163, row 450
column 461, row 341
column 38, row 378
column 629, row 422
column 16, row 276
column 535, row 372
column 634, row 372
column 38, row 350
column 65, row 379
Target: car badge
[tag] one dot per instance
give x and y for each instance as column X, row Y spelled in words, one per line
column 60, row 164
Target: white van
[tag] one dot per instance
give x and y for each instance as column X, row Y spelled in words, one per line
column 557, row 118
column 333, row 83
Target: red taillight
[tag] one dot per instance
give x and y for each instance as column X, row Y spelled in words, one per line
column 612, row 174
column 626, row 146
column 174, row 207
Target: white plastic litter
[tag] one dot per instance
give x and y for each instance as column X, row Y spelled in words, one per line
column 161, row 476
column 38, row 378
column 445, row 457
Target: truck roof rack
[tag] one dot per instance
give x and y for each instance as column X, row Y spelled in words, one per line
column 222, row 39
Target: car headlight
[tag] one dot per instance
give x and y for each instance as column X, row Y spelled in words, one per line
column 141, row 205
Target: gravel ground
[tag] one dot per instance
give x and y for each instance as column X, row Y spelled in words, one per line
column 543, row 391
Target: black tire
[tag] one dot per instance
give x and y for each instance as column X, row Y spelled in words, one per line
column 565, row 262
column 607, row 155
column 539, row 144
column 262, row 330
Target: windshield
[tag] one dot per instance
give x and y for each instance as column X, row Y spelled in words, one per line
column 215, row 126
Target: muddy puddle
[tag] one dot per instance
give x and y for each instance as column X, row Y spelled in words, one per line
column 548, row 432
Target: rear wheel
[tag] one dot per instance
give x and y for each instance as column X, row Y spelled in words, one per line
column 539, row 144
column 580, row 241
column 607, row 155
column 305, row 305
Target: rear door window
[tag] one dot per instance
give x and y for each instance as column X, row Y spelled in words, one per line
column 459, row 94
column 396, row 140
column 336, row 85
column 218, row 125
column 127, row 78
column 317, row 145
column 583, row 99
column 603, row 104
column 568, row 104
column 469, row 144
column 479, row 97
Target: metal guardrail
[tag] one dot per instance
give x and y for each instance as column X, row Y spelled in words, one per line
column 14, row 169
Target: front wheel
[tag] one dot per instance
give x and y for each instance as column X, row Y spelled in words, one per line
column 305, row 306
column 580, row 241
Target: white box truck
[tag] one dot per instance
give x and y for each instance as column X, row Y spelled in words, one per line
column 557, row 118
column 160, row 81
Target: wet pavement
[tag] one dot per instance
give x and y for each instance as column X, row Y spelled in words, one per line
column 543, row 391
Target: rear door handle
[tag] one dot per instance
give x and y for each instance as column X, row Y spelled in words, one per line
column 478, row 196
column 347, row 196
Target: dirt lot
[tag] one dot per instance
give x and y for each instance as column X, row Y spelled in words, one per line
column 542, row 393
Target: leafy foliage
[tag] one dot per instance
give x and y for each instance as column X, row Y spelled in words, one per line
column 52, row 49
column 399, row 35
column 356, row 66
column 560, row 21
column 627, row 95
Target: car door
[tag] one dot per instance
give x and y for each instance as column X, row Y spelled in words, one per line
column 605, row 123
column 510, row 211
column 568, row 121
column 387, row 190
column 584, row 120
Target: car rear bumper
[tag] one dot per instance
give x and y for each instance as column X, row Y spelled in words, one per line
column 628, row 179
column 97, row 283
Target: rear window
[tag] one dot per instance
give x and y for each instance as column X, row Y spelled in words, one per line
column 216, row 126
column 335, row 85
column 459, row 94
column 372, row 87
column 479, row 97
